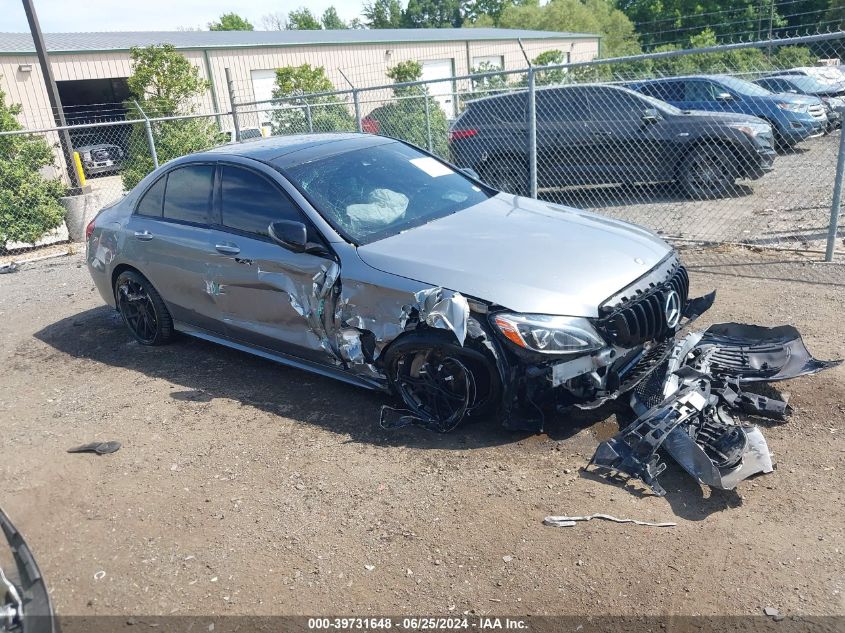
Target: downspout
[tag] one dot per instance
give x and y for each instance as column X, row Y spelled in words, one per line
column 210, row 76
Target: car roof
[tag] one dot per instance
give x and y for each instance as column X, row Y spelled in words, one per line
column 269, row 149
column 679, row 77
column 549, row 88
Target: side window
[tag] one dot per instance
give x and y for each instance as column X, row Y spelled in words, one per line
column 251, row 202
column 667, row 91
column 607, row 104
column 701, row 91
column 561, row 106
column 152, row 201
column 188, row 193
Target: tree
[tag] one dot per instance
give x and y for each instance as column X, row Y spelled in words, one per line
column 331, row 20
column 302, row 19
column 432, row 14
column 231, row 22
column 678, row 21
column 274, row 21
column 584, row 16
column 29, row 202
column 383, row 14
column 164, row 83
column 484, row 12
column 488, row 85
column 405, row 116
column 291, row 116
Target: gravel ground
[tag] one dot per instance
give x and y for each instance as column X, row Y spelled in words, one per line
column 244, row 487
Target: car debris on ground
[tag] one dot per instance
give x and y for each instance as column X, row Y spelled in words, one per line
column 100, row 448
column 11, row 267
column 565, row 521
column 687, row 406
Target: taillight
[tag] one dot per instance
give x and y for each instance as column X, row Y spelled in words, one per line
column 456, row 135
column 370, row 125
column 89, row 230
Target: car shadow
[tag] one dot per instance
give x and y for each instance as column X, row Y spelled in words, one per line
column 202, row 371
column 627, row 194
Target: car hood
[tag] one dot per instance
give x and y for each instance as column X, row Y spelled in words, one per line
column 788, row 97
column 525, row 255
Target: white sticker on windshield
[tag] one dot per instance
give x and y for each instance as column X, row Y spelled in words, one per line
column 432, row 167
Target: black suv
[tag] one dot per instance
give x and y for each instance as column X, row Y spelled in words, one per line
column 600, row 134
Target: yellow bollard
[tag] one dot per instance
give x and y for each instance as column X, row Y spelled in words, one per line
column 79, row 171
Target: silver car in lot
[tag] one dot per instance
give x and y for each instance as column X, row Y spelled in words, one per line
column 369, row 260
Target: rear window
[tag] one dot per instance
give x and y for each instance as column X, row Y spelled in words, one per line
column 508, row 109
column 187, row 197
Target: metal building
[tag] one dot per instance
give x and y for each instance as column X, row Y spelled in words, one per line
column 91, row 68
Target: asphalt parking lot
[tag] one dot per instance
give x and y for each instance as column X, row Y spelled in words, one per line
column 243, row 487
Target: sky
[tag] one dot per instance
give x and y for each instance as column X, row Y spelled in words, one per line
column 154, row 15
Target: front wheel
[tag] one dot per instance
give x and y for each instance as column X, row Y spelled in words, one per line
column 707, row 172
column 441, row 382
column 142, row 308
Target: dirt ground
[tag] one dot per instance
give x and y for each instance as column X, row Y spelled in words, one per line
column 244, row 487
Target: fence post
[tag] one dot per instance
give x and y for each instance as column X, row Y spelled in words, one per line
column 150, row 139
column 308, row 116
column 427, row 120
column 837, row 200
column 231, row 87
column 532, row 134
column 357, row 110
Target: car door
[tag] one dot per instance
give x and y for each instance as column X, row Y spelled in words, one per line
column 167, row 240
column 703, row 94
column 626, row 146
column 264, row 293
column 562, row 144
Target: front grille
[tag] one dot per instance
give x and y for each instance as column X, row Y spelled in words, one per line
column 817, row 111
column 643, row 318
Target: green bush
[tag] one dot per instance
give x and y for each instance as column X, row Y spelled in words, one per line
column 405, row 117
column 328, row 113
column 29, row 203
column 164, row 83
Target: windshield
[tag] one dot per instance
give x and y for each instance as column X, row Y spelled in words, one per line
column 666, row 108
column 372, row 193
column 806, row 84
column 743, row 87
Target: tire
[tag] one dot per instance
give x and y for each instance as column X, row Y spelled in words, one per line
column 143, row 310
column 508, row 174
column 440, row 381
column 708, row 172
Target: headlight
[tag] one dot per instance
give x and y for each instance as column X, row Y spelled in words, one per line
column 750, row 129
column 793, row 107
column 549, row 334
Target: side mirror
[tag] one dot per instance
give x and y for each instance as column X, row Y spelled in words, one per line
column 290, row 235
column 469, row 171
column 724, row 96
column 650, row 115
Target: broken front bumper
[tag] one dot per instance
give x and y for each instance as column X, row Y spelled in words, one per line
column 685, row 407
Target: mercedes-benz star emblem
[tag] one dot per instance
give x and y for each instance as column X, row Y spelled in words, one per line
column 672, row 308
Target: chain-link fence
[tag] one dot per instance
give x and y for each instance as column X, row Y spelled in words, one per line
column 732, row 144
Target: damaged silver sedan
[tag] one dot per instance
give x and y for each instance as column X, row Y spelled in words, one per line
column 368, row 260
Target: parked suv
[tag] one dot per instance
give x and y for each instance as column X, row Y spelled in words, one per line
column 793, row 118
column 598, row 134
column 831, row 96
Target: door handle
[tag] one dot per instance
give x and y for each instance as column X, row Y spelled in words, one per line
column 227, row 248
column 144, row 236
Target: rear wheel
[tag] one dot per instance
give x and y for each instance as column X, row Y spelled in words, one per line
column 708, row 172
column 142, row 309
